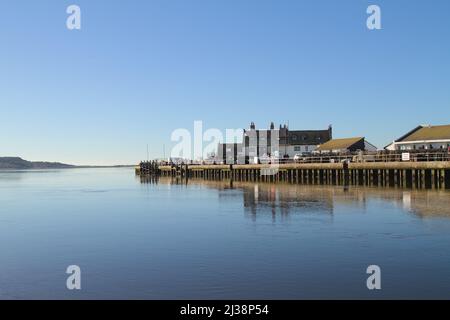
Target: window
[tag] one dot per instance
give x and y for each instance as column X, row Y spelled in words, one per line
column 297, row 148
column 294, row 137
column 306, row 148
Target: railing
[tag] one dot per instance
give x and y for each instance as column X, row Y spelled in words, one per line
column 376, row 157
column 384, row 156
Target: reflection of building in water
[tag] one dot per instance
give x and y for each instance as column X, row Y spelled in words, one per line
column 406, row 199
column 427, row 203
column 286, row 199
column 260, row 199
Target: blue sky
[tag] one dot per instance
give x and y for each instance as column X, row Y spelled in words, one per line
column 137, row 70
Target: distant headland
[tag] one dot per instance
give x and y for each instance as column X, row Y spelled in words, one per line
column 17, row 163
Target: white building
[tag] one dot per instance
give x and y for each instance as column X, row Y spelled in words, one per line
column 423, row 137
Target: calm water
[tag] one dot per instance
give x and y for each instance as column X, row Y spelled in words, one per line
column 141, row 239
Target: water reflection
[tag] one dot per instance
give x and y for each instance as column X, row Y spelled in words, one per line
column 283, row 199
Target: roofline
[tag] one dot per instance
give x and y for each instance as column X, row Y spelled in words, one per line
column 365, row 141
column 356, row 141
column 422, row 141
column 404, row 136
column 315, row 130
column 359, row 138
column 409, row 133
column 278, row 129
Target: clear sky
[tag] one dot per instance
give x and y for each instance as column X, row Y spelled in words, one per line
column 137, row 70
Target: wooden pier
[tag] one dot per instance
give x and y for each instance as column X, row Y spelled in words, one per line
column 413, row 175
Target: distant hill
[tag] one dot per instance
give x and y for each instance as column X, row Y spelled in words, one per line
column 18, row 163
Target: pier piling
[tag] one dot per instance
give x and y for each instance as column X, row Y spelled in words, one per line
column 422, row 175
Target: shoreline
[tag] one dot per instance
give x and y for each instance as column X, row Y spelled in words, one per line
column 66, row 168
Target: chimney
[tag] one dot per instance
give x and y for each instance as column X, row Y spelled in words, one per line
column 330, row 131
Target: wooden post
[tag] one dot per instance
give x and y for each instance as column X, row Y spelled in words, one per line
column 387, row 176
column 433, row 179
column 404, row 178
column 380, row 178
column 395, row 178
column 423, row 179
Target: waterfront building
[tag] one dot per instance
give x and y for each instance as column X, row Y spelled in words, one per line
column 273, row 142
column 423, row 137
column 282, row 142
column 346, row 145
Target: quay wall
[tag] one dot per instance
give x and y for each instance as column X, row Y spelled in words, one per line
column 426, row 175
